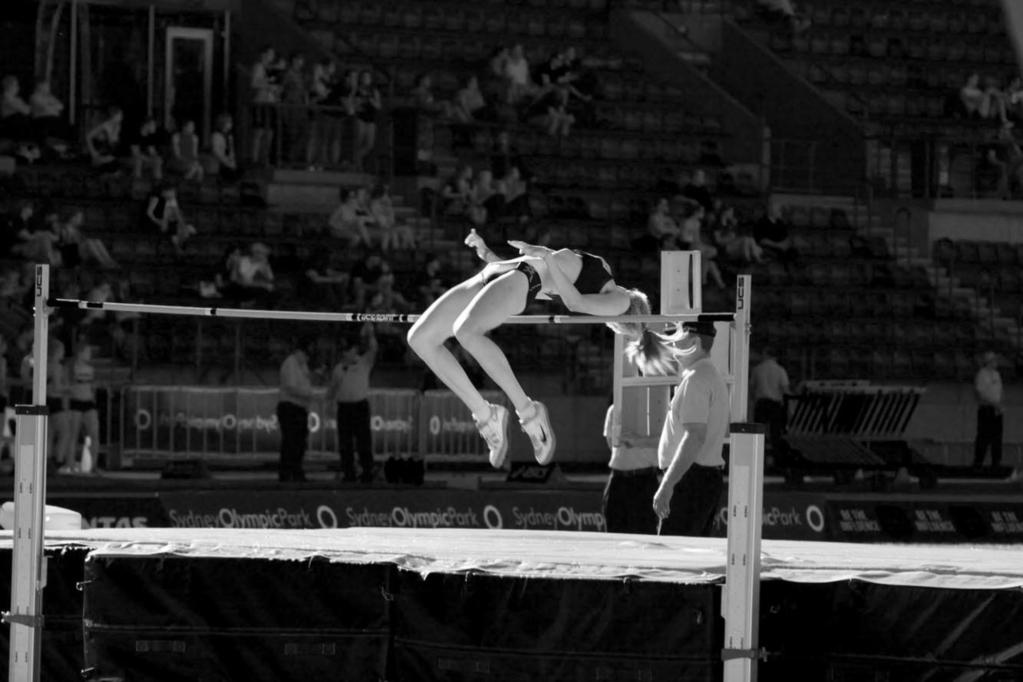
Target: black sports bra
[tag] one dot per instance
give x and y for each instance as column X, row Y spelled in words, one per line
column 592, row 275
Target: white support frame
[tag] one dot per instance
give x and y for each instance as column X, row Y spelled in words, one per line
column 28, row 574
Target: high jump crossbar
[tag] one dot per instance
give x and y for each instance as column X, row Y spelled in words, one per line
column 317, row 316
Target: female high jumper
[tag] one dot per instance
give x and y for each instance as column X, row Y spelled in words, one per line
column 470, row 310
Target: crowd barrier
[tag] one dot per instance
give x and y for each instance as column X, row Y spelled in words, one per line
column 239, row 425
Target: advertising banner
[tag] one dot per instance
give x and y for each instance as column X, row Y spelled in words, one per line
column 125, row 510
column 173, row 422
column 544, row 510
column 787, row 516
column 447, row 432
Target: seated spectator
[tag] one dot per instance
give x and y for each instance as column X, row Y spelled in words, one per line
column 366, row 276
column 76, row 247
column 38, row 243
column 15, row 113
column 164, row 213
column 328, row 278
column 392, row 233
column 348, row 222
column 145, row 150
column 551, row 112
column 661, row 226
column 784, row 11
column 517, row 76
column 456, row 194
column 515, row 191
column 691, row 239
column 185, row 152
column 504, row 155
column 738, row 248
column 1004, row 160
column 424, row 101
column 223, row 162
column 696, row 190
column 469, row 105
column 387, row 300
column 771, row 233
column 104, row 140
column 983, row 101
column 47, row 118
column 485, row 201
column 430, row 282
column 1014, row 99
column 16, row 226
column 252, row 277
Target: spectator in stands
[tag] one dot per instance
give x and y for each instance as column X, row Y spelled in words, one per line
column 516, row 72
column 47, row 119
column 431, row 283
column 505, row 155
column 38, row 243
column 185, row 152
column 769, row 388
column 349, row 392
column 164, row 213
column 265, row 93
column 76, row 247
column 661, row 226
column 387, row 299
column 771, row 233
column 366, row 278
column 294, row 97
column 16, row 226
column 1014, row 100
column 252, row 277
column 366, row 105
column 1005, row 160
column 485, row 201
column 691, row 239
column 987, row 384
column 224, row 163
column 469, row 105
column 424, row 100
column 551, row 112
column 784, row 11
column 297, row 397
column 983, row 101
column 104, row 140
column 325, row 125
column 347, row 223
column 741, row 249
column 328, row 278
column 696, row 190
column 515, row 192
column 496, row 79
column 392, row 233
column 457, row 193
column 145, row 150
column 15, row 113
column 83, row 412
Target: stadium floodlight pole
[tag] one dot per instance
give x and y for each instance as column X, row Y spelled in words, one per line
column 28, row 574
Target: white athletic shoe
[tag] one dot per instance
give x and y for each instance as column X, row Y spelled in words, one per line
column 541, row 435
column 495, row 432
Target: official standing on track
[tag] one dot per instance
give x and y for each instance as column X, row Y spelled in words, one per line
column 689, row 451
column 349, row 390
column 295, row 399
column 632, row 481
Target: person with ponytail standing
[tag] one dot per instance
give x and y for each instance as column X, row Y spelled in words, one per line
column 469, row 311
column 694, row 431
